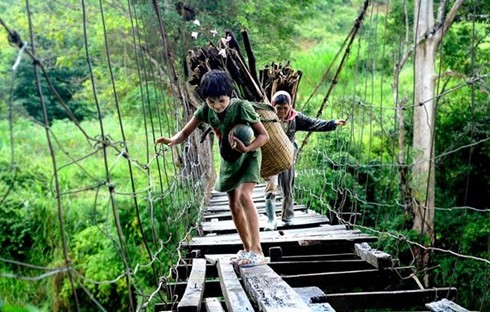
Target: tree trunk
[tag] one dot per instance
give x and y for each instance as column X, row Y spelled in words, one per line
column 423, row 129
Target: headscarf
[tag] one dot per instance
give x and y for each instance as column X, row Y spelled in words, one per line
column 292, row 112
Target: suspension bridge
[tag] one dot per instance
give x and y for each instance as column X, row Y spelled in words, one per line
column 102, row 218
column 313, row 266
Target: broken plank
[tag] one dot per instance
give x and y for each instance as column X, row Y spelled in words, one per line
column 445, row 305
column 269, row 290
column 378, row 259
column 191, row 300
column 235, row 297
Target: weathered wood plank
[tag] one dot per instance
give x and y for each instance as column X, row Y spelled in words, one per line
column 363, row 280
column 214, row 305
column 235, row 297
column 181, row 272
column 310, row 294
column 321, row 307
column 302, row 221
column 296, row 235
column 320, row 266
column 213, row 258
column 226, row 215
column 191, row 300
column 445, row 305
column 320, row 257
column 378, row 259
column 211, row 289
column 406, row 299
column 269, row 290
column 328, row 243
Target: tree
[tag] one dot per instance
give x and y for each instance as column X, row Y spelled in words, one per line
column 428, row 35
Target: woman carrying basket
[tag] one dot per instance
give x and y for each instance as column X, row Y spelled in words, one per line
column 291, row 121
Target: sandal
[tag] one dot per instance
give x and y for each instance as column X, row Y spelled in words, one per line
column 240, row 255
column 252, row 260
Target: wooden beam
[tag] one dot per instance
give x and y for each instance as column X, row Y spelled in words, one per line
column 404, row 299
column 193, row 295
column 269, row 290
column 214, row 305
column 235, row 297
column 182, row 271
column 445, row 305
column 320, row 266
column 226, row 215
column 365, row 280
column 211, row 289
column 310, row 294
column 375, row 257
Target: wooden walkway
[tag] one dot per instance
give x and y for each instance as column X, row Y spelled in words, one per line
column 313, row 266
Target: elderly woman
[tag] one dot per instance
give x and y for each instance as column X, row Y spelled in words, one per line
column 291, row 122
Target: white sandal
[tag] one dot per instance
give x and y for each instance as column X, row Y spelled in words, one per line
column 240, row 255
column 253, row 259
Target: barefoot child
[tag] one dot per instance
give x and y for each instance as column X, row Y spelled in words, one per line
column 239, row 164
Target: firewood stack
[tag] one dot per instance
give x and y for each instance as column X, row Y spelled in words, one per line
column 276, row 77
column 228, row 57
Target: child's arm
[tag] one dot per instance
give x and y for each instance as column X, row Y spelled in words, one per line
column 182, row 134
column 261, row 137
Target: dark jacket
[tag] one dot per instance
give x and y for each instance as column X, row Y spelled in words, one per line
column 301, row 122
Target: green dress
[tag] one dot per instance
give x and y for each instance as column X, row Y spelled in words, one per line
column 246, row 168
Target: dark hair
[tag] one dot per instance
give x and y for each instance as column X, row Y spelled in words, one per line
column 216, row 83
column 281, row 99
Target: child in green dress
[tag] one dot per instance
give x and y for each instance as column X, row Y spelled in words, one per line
column 239, row 164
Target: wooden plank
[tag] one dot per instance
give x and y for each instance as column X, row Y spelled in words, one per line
column 269, row 290
column 310, row 294
column 378, row 259
column 328, row 243
column 181, row 272
column 226, row 215
column 406, row 299
column 191, row 300
column 445, row 305
column 277, row 239
column 293, row 235
column 211, row 289
column 235, row 297
column 363, row 280
column 214, row 305
column 213, row 258
column 321, row 307
column 318, row 266
column 320, row 257
column 302, row 221
column 302, row 266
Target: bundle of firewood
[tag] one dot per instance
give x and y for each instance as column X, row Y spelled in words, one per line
column 227, row 56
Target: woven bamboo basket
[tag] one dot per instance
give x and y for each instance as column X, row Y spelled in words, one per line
column 278, row 152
